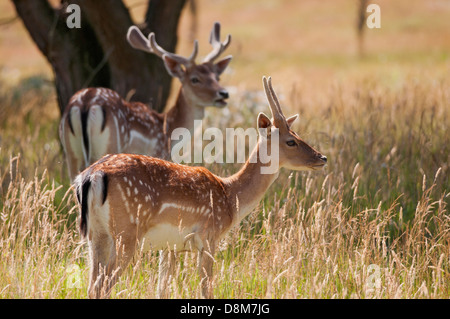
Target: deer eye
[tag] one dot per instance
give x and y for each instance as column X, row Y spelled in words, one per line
column 291, row 143
column 195, row 80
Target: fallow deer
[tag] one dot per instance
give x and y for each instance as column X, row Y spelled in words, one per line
column 132, row 202
column 97, row 121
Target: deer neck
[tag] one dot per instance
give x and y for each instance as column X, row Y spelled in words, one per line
column 183, row 114
column 247, row 187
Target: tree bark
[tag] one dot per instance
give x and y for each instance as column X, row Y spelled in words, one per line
column 72, row 53
column 98, row 54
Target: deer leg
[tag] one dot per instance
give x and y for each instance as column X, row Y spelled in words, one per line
column 205, row 268
column 75, row 166
column 165, row 272
column 100, row 249
column 71, row 135
column 108, row 261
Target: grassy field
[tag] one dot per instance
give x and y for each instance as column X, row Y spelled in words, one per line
column 373, row 224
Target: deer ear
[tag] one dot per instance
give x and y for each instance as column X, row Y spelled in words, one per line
column 222, row 64
column 173, row 67
column 263, row 121
column 291, row 120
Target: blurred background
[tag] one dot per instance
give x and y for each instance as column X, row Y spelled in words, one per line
column 305, row 42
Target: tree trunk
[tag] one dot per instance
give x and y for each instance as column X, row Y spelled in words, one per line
column 97, row 54
column 360, row 25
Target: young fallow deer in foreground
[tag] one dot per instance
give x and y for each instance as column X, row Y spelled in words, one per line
column 97, row 121
column 134, row 202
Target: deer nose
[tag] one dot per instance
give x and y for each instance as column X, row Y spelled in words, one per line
column 323, row 158
column 224, row 94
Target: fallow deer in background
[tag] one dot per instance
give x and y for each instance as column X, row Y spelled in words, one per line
column 133, row 202
column 97, row 121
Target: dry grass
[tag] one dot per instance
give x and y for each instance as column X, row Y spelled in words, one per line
column 382, row 201
column 378, row 211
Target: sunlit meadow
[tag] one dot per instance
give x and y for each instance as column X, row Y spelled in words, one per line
column 373, row 224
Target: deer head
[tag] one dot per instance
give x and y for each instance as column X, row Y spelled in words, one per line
column 293, row 152
column 200, row 82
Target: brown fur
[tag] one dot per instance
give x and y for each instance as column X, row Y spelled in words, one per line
column 170, row 204
column 126, row 120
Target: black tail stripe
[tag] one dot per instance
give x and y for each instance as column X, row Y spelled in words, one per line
column 86, row 184
column 104, row 118
column 84, row 117
column 105, row 187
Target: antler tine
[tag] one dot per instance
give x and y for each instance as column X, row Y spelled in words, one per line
column 194, row 52
column 218, row 47
column 159, row 51
column 137, row 40
column 275, row 98
column 274, row 104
